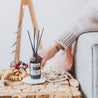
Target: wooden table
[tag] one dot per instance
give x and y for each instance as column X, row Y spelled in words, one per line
column 17, row 89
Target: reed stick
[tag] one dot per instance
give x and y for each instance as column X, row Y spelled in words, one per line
column 31, row 42
column 34, row 39
column 37, row 42
column 40, row 39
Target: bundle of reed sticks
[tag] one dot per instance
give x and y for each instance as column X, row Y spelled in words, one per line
column 36, row 41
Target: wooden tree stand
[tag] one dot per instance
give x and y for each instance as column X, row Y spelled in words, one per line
column 30, row 6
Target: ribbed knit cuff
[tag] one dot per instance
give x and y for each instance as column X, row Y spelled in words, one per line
column 66, row 39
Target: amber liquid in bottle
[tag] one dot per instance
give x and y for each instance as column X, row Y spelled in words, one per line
column 35, row 70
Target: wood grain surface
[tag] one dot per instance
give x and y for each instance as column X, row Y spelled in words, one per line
column 17, row 89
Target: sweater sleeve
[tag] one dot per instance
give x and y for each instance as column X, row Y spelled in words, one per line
column 66, row 39
column 85, row 21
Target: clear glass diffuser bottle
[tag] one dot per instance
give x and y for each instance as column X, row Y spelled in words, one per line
column 35, row 70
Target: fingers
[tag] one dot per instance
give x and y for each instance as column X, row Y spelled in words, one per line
column 42, row 56
column 39, row 57
column 43, row 62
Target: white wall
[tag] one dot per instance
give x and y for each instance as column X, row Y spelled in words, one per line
column 50, row 14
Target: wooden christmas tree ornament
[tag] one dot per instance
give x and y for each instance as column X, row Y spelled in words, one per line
column 34, row 22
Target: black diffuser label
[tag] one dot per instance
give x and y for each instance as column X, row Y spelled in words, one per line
column 35, row 69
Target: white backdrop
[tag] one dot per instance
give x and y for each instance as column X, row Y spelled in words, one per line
column 50, row 14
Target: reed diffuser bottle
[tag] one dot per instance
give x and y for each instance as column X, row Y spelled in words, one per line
column 35, row 69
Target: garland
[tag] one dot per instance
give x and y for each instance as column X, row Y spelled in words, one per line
column 20, row 64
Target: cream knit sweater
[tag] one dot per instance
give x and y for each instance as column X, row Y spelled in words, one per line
column 85, row 21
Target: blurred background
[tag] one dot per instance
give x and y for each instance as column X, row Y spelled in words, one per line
column 50, row 14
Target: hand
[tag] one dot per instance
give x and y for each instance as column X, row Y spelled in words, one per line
column 61, row 60
column 48, row 53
